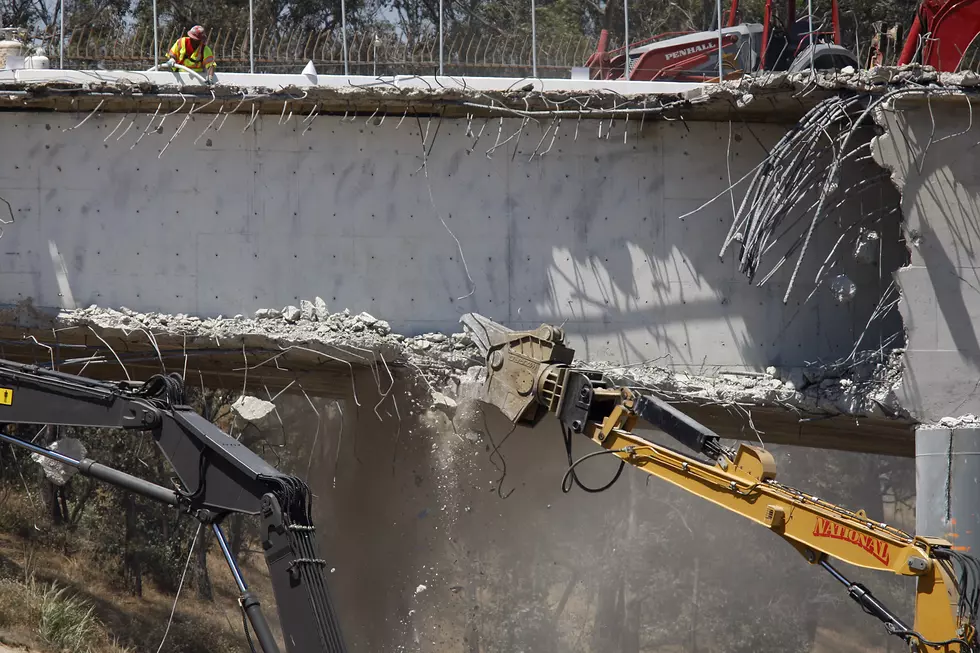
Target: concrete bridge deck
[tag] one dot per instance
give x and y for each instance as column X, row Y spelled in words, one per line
column 417, row 199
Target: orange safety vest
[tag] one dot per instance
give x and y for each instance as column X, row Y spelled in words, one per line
column 197, row 60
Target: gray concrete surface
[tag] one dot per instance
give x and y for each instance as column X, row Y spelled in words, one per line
column 933, row 163
column 588, row 235
column 947, row 464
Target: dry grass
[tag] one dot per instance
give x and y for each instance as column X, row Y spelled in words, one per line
column 59, row 620
column 56, row 598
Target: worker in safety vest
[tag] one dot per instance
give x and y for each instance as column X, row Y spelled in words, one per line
column 192, row 51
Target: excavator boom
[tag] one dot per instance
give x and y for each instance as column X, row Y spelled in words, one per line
column 530, row 374
column 216, row 475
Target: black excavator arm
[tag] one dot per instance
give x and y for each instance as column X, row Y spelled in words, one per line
column 217, row 475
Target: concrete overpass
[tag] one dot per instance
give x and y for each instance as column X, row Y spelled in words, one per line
column 418, row 199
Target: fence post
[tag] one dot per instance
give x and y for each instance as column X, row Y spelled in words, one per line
column 626, row 36
column 809, row 10
column 721, row 64
column 156, row 38
column 440, row 39
column 534, row 40
column 61, row 37
column 343, row 32
column 251, row 37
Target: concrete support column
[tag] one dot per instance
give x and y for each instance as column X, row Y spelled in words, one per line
column 947, row 483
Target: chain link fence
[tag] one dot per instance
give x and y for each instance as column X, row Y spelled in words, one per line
column 278, row 51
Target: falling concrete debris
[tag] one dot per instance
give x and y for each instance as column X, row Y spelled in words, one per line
column 444, row 404
column 867, row 247
column 56, row 472
column 254, row 411
column 843, row 289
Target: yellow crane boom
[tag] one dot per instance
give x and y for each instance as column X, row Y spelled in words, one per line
column 529, row 375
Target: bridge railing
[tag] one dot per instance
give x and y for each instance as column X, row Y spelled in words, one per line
column 285, row 51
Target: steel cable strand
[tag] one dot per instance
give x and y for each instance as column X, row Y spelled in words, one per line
column 793, row 181
column 772, row 206
column 758, row 191
column 803, row 213
column 830, row 185
column 814, row 203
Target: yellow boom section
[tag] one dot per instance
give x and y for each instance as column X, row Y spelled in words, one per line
column 816, row 528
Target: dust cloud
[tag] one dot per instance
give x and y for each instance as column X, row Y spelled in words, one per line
column 446, row 531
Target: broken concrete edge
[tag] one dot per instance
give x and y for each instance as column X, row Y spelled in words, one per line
column 772, row 96
column 865, row 390
column 877, row 80
column 309, row 338
column 949, row 423
column 880, row 144
column 444, row 361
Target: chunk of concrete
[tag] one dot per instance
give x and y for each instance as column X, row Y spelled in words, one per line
column 444, row 404
column 843, row 289
column 306, row 310
column 867, row 246
column 56, row 472
column 291, row 314
column 252, row 410
column 367, row 319
column 266, row 313
column 968, row 420
column 320, row 308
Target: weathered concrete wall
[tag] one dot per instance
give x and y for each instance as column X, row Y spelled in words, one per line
column 933, row 160
column 587, row 235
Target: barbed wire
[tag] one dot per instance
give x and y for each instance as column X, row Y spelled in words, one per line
column 278, row 50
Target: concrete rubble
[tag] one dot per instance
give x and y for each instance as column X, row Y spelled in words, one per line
column 283, row 327
column 775, row 96
column 963, row 421
column 453, row 363
column 253, row 411
column 863, row 390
